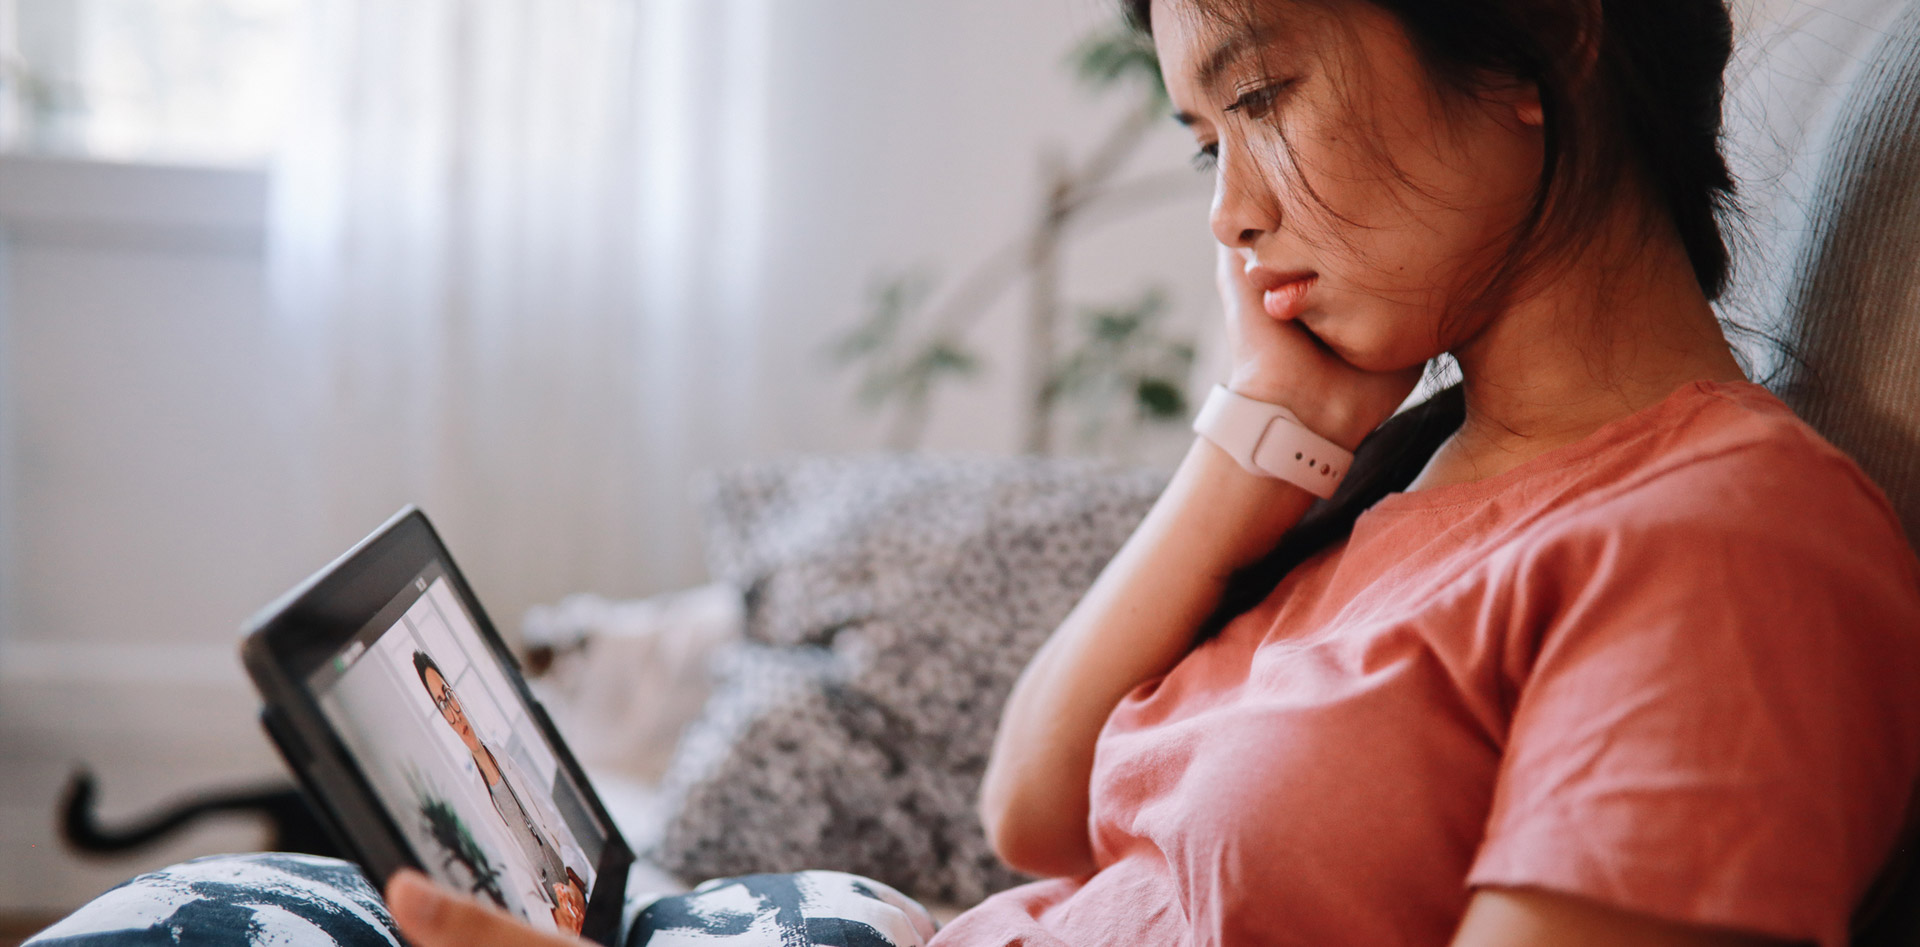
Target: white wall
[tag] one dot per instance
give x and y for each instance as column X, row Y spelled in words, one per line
column 911, row 135
column 146, row 496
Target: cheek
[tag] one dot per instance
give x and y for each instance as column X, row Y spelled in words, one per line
column 1474, row 191
column 1413, row 195
column 1426, row 236
column 1366, row 211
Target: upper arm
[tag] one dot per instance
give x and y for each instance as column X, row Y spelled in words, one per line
column 1134, row 625
column 1713, row 721
column 1527, row 917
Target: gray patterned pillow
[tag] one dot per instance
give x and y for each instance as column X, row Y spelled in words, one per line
column 892, row 600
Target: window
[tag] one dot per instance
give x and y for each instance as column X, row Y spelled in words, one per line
column 166, row 81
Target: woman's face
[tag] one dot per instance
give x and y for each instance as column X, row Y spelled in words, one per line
column 450, row 709
column 1336, row 154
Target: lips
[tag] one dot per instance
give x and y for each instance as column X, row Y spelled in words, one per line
column 1283, row 294
column 1266, row 279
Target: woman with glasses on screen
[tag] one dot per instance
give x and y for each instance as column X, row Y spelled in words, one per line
column 517, row 801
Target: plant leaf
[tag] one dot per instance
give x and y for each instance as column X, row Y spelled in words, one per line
column 1160, row 399
column 1115, row 54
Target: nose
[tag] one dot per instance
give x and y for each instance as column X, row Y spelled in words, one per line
column 1245, row 207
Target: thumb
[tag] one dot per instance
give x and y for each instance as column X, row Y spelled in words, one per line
column 432, row 916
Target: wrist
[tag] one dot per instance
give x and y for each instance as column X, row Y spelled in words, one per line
column 1320, row 412
column 1244, row 513
column 1269, row 440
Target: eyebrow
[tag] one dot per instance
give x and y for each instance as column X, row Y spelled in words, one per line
column 1224, row 55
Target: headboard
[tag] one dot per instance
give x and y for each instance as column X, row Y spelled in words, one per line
column 1823, row 137
column 1823, row 133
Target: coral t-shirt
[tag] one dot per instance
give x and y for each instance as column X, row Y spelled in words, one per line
column 1673, row 668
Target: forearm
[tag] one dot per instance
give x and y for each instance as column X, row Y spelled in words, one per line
column 1133, row 625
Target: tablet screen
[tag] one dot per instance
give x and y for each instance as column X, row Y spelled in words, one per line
column 441, row 734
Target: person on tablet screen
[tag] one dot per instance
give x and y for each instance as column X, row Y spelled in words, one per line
column 516, row 797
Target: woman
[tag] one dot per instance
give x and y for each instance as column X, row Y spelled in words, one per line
column 1602, row 646
column 1600, row 674
column 538, row 831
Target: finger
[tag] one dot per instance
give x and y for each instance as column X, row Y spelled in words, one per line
column 1231, row 275
column 431, row 916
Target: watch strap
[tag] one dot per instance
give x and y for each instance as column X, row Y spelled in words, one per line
column 1269, row 441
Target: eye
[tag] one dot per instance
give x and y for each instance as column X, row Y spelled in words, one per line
column 1207, row 158
column 1257, row 104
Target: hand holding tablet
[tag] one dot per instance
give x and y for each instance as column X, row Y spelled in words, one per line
column 411, row 730
column 431, row 916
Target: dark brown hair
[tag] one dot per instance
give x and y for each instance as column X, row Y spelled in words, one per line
column 1629, row 90
column 422, row 664
column 1630, row 93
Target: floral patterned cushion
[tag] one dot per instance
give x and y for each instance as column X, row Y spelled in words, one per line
column 892, row 601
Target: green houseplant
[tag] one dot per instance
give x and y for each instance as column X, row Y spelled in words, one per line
column 1100, row 365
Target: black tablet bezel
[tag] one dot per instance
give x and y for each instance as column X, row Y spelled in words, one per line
column 308, row 626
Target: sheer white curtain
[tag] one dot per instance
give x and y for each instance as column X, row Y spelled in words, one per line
column 515, row 249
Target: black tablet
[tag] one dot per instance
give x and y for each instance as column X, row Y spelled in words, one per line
column 414, row 736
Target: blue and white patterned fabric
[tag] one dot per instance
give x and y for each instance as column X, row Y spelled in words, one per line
column 807, row 907
column 280, row 900
column 234, row 901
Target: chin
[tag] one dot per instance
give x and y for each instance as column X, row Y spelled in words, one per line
column 1367, row 358
column 1377, row 335
column 1379, row 355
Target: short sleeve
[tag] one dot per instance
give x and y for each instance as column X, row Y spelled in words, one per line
column 1715, row 705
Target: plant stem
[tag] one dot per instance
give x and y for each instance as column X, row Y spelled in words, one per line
column 1043, row 305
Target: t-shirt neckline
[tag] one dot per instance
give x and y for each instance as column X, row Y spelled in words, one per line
column 1601, row 439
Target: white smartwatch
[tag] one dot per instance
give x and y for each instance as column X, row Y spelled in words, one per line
column 1268, row 440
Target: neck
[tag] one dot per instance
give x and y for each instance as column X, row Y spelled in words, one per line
column 489, row 768
column 1615, row 332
